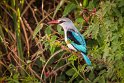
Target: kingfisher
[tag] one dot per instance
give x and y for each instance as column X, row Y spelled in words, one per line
column 73, row 37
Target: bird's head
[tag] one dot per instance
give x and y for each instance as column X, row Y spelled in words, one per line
column 66, row 23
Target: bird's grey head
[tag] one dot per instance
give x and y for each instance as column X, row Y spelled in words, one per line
column 66, row 23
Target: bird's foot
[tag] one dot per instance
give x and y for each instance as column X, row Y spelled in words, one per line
column 64, row 48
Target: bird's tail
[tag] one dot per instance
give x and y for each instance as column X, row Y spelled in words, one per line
column 86, row 58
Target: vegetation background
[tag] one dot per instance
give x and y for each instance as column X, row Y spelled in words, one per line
column 31, row 51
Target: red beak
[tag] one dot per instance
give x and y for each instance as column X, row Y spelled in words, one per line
column 53, row 22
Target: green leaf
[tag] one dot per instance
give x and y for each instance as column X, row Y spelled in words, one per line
column 106, row 52
column 102, row 80
column 99, row 79
column 37, row 29
column 59, row 29
column 15, row 76
column 53, row 38
column 121, row 4
column 68, row 9
column 85, row 3
column 48, row 30
column 75, row 75
column 70, row 72
column 72, row 58
column 117, row 12
column 91, row 75
column 120, row 20
column 122, row 10
column 58, row 7
column 81, row 81
column 52, row 44
column 79, row 20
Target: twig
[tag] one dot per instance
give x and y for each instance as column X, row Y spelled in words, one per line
column 35, row 74
column 58, row 69
column 49, row 60
column 33, row 12
column 25, row 34
column 27, row 7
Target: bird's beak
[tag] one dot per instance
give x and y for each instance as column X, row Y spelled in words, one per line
column 53, row 22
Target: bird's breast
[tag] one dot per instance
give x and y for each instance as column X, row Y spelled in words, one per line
column 71, row 47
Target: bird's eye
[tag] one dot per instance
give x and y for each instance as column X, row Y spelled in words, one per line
column 61, row 21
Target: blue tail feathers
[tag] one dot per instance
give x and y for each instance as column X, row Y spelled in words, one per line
column 86, row 58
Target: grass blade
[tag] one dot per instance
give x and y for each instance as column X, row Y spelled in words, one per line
column 58, row 7
column 68, row 9
column 38, row 28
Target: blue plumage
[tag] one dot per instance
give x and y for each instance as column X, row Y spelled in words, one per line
column 86, row 58
column 79, row 37
column 76, row 40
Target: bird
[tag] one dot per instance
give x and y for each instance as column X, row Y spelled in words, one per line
column 73, row 37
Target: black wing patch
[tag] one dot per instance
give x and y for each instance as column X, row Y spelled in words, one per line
column 72, row 38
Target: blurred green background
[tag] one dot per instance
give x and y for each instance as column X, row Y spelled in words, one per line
column 31, row 51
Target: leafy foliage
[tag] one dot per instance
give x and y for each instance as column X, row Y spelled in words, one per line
column 33, row 51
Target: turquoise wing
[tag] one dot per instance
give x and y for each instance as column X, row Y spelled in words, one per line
column 77, row 39
column 78, row 42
